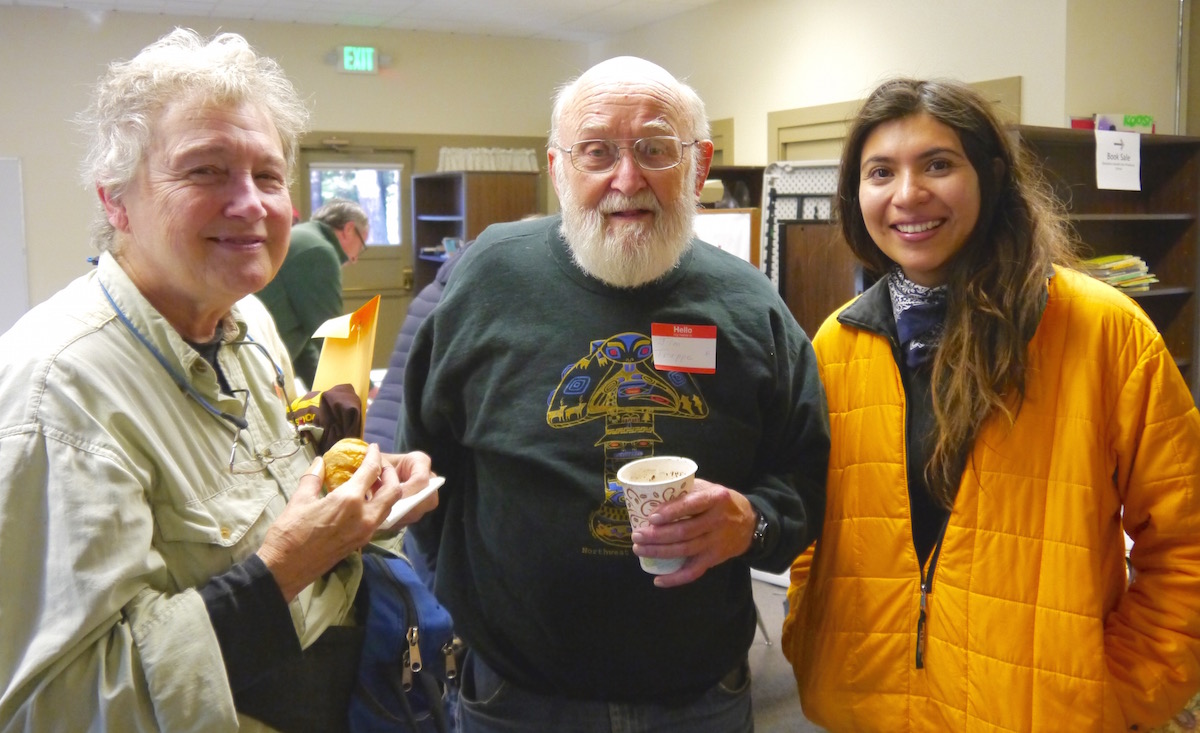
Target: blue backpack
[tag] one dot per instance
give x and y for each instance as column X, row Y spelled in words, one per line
column 410, row 655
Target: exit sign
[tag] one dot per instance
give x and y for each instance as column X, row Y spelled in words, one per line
column 359, row 60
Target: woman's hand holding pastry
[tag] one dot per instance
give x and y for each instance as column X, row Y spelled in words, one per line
column 315, row 532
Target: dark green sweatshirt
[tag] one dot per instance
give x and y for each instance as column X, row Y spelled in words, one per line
column 529, row 385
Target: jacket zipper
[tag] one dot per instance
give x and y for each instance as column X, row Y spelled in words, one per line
column 412, row 658
column 926, row 590
column 931, row 566
column 451, row 662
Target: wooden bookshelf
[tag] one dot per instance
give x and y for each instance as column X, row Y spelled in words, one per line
column 463, row 204
column 1158, row 223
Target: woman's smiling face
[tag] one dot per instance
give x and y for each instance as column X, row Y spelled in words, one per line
column 919, row 195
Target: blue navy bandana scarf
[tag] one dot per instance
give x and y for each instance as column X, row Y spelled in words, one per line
column 920, row 314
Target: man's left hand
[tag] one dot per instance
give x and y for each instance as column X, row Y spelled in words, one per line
column 708, row 526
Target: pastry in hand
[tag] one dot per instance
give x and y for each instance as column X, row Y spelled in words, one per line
column 342, row 460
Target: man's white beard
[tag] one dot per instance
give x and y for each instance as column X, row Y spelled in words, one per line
column 633, row 253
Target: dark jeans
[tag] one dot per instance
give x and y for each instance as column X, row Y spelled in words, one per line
column 490, row 704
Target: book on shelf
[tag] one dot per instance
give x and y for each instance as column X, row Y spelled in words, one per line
column 1127, row 272
column 1111, row 263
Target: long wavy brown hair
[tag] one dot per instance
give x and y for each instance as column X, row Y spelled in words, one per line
column 997, row 281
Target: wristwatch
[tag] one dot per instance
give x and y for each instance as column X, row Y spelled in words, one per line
column 759, row 540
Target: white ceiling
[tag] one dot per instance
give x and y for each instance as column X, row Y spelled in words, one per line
column 565, row 20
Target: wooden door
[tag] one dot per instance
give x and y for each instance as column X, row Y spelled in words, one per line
column 819, row 272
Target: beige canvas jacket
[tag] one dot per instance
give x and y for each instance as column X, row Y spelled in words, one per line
column 116, row 502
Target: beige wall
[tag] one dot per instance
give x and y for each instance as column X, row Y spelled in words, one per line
column 1121, row 58
column 746, row 57
column 438, row 83
column 1073, row 56
column 772, row 55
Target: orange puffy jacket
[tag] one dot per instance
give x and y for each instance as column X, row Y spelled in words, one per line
column 1029, row 623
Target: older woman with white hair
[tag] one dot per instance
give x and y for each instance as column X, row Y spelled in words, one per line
column 171, row 563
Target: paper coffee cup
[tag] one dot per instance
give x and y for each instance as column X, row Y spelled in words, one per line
column 649, row 483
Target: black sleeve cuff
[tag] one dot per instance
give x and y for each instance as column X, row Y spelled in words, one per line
column 251, row 620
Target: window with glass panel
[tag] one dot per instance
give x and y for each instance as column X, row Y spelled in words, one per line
column 375, row 188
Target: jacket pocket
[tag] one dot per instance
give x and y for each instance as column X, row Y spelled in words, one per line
column 200, row 537
column 223, row 518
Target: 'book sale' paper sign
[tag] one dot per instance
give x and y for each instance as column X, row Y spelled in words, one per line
column 1119, row 160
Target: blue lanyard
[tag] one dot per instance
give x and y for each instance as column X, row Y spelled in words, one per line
column 239, row 422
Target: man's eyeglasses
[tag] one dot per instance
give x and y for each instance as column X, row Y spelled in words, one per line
column 361, row 239
column 259, row 457
column 657, row 153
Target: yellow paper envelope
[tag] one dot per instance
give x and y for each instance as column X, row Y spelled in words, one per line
column 348, row 350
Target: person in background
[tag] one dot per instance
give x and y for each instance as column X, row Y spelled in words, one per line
column 307, row 291
column 383, row 414
column 538, row 375
column 1000, row 422
column 170, row 560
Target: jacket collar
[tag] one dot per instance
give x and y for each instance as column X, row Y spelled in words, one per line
column 872, row 311
column 330, row 235
column 152, row 325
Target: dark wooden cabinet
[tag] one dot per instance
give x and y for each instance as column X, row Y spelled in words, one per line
column 818, row 272
column 462, row 205
column 1158, row 223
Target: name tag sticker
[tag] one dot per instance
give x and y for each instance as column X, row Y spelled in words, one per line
column 681, row 348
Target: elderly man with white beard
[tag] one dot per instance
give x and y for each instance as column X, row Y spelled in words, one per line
column 565, row 347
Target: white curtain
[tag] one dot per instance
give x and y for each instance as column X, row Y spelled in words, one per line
column 487, row 159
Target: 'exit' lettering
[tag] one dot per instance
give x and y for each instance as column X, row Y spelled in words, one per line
column 359, row 59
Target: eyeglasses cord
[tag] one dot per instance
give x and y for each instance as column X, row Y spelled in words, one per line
column 240, row 422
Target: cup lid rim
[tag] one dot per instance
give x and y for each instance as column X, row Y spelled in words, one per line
column 621, row 471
